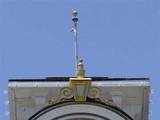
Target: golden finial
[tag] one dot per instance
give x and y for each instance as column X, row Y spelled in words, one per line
column 80, row 73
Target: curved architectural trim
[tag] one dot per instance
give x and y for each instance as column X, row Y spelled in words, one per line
column 85, row 116
column 95, row 106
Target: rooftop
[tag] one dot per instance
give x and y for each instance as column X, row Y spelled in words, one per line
column 63, row 79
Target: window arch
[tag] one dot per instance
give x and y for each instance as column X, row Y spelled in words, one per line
column 93, row 110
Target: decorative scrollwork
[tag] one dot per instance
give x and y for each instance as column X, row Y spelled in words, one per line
column 66, row 92
column 94, row 92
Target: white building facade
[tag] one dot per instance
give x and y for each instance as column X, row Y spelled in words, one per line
column 101, row 98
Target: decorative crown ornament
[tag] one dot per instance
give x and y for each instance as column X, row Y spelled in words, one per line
column 79, row 88
column 80, row 85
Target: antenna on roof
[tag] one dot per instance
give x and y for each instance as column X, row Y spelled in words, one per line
column 79, row 66
column 74, row 30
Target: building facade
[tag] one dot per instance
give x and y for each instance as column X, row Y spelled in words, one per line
column 53, row 99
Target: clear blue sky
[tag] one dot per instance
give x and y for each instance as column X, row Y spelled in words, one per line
column 118, row 38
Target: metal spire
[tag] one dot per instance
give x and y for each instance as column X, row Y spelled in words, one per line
column 74, row 30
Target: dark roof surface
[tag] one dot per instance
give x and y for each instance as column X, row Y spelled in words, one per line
column 62, row 79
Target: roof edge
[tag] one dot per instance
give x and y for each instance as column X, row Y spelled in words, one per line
column 62, row 79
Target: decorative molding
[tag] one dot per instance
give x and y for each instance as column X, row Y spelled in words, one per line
column 81, row 94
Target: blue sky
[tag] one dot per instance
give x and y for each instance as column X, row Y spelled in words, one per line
column 118, row 38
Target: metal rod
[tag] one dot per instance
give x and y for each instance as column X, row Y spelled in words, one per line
column 76, row 48
column 75, row 31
